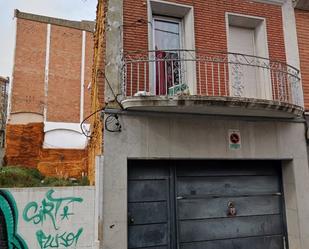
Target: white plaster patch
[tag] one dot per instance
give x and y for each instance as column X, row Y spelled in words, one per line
column 64, row 135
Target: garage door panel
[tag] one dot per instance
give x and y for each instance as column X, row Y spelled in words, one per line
column 145, row 171
column 225, row 170
column 228, row 228
column 152, row 235
column 272, row 242
column 148, row 212
column 185, row 203
column 154, row 247
column 147, row 190
column 217, row 207
column 233, row 185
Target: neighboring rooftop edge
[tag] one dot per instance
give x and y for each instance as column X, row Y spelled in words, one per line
column 81, row 25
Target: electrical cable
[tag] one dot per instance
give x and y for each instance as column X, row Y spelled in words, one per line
column 101, row 109
column 85, row 119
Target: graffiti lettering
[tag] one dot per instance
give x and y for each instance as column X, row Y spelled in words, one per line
column 8, row 210
column 49, row 208
column 64, row 239
column 56, row 211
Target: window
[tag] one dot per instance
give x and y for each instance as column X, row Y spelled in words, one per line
column 167, row 45
column 247, row 41
column 171, row 31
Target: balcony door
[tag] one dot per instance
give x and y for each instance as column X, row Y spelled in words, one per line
column 243, row 76
column 167, row 44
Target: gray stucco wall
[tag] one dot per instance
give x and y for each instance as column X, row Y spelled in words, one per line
column 199, row 137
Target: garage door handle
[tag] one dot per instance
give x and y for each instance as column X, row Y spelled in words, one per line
column 130, row 219
column 180, row 197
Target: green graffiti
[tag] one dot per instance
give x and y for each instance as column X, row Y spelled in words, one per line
column 56, row 210
column 61, row 239
column 66, row 213
column 49, row 208
column 9, row 210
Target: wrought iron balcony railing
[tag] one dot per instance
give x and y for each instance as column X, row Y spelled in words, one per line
column 194, row 72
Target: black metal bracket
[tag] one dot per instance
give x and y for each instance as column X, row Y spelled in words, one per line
column 112, row 123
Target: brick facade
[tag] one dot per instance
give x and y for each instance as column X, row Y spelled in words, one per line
column 209, row 22
column 29, row 67
column 59, row 94
column 64, row 75
column 24, row 148
column 63, row 102
column 209, row 26
column 302, row 24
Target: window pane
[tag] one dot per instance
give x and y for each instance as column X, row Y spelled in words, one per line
column 166, row 35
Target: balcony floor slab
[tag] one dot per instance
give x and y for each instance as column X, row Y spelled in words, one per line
column 210, row 105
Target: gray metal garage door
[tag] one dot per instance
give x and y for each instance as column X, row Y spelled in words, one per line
column 205, row 205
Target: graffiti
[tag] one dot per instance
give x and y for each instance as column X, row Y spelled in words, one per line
column 9, row 213
column 49, row 209
column 55, row 211
column 64, row 239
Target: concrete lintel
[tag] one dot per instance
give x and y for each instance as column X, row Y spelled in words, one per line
column 275, row 2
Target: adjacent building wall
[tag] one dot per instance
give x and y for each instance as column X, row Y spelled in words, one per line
column 50, row 94
column 302, row 24
column 24, row 147
column 4, row 87
column 95, row 146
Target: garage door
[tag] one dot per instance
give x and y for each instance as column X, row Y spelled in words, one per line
column 205, row 205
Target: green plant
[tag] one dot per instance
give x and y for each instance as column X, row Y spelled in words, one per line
column 18, row 177
column 13, row 176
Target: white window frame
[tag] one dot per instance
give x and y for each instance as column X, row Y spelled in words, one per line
column 181, row 42
column 261, row 45
column 185, row 14
column 171, row 20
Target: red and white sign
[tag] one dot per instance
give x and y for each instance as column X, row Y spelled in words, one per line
column 234, row 139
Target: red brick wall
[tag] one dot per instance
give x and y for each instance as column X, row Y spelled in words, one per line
column 24, row 142
column 63, row 163
column 24, row 148
column 64, row 71
column 64, row 75
column 28, row 74
column 210, row 24
column 302, row 24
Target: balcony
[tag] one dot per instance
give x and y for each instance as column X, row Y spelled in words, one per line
column 194, row 81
